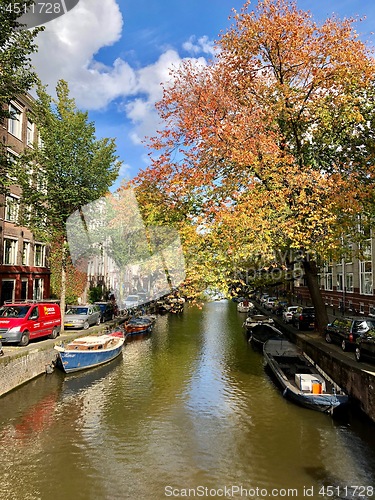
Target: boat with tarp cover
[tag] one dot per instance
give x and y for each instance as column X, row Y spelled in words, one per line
column 301, row 379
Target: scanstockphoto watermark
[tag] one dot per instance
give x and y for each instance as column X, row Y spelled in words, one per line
column 232, row 491
column 31, row 14
column 279, row 266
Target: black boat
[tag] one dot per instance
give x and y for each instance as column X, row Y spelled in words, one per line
column 255, row 319
column 261, row 332
column 302, row 381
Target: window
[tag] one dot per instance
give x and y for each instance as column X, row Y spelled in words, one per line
column 24, row 285
column 39, row 255
column 10, row 251
column 349, row 254
column 340, row 282
column 26, row 253
column 8, row 290
column 30, row 133
column 365, row 269
column 34, row 313
column 11, row 208
column 38, row 289
column 15, row 121
column 12, row 158
column 349, row 282
column 328, row 281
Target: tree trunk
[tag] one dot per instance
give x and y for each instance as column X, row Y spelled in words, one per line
column 63, row 283
column 311, row 273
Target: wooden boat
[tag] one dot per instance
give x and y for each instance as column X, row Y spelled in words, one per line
column 139, row 325
column 256, row 319
column 86, row 352
column 245, row 306
column 261, row 332
column 302, row 381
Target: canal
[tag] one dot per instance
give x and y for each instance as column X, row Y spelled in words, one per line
column 186, row 412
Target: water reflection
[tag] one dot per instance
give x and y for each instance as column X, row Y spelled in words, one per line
column 189, row 405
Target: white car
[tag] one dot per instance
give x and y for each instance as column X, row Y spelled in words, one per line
column 270, row 302
column 263, row 298
column 288, row 313
column 132, row 301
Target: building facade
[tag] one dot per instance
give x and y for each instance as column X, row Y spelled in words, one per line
column 24, row 272
column 348, row 285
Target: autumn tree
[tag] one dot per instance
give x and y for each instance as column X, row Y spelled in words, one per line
column 69, row 168
column 267, row 140
column 17, row 76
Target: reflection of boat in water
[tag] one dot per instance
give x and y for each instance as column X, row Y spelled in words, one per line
column 302, row 381
column 80, row 381
column 90, row 351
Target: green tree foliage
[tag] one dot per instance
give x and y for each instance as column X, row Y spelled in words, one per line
column 17, row 75
column 66, row 170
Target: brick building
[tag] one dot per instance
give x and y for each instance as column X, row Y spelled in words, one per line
column 24, row 273
column 348, row 284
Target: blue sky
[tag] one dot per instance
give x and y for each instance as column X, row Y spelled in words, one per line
column 115, row 54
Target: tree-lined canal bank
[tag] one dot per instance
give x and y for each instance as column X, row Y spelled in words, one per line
column 189, row 406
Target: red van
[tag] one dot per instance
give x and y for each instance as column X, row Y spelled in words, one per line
column 21, row 322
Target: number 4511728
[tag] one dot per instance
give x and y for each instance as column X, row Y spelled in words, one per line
column 347, row 491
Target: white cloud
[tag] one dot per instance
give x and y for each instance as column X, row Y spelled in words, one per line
column 68, row 50
column 124, row 170
column 202, row 45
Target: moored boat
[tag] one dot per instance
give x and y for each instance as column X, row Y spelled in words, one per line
column 302, row 381
column 90, row 351
column 256, row 319
column 139, row 325
column 261, row 332
column 245, row 306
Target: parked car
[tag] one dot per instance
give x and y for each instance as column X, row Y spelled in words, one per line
column 21, row 322
column 365, row 346
column 288, row 313
column 279, row 307
column 107, row 310
column 82, row 316
column 263, row 298
column 269, row 303
column 132, row 301
column 143, row 297
column 304, row 318
column 345, row 330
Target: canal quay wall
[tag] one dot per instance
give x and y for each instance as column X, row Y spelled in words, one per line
column 19, row 367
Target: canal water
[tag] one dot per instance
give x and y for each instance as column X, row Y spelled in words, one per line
column 187, row 412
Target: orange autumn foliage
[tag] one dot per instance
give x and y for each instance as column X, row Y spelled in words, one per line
column 259, row 147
